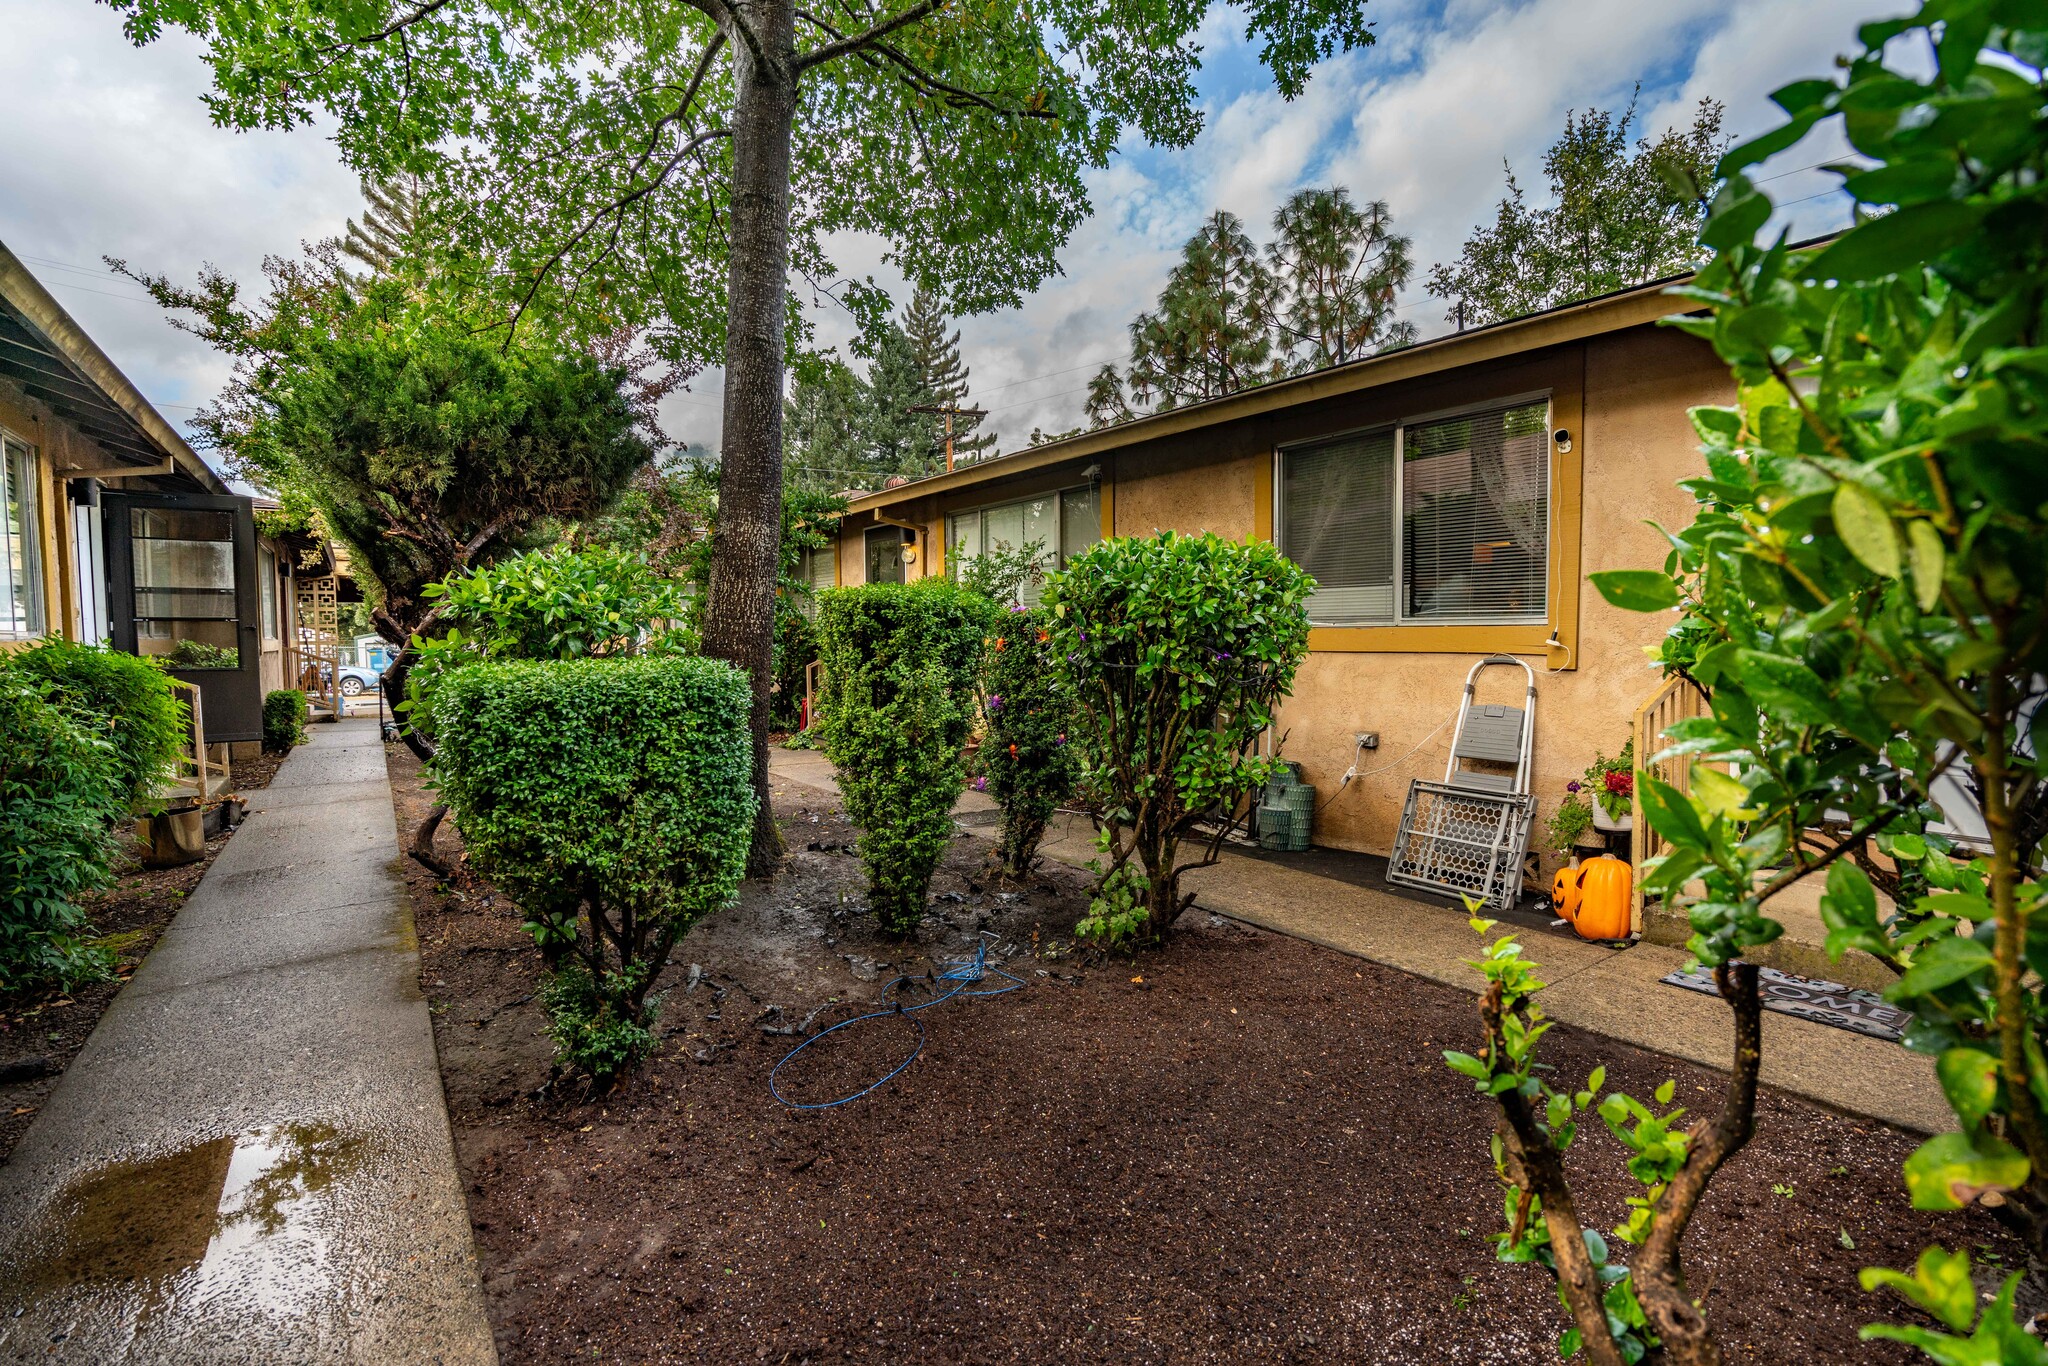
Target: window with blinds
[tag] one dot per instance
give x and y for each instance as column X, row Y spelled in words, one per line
column 1471, row 542
column 1060, row 525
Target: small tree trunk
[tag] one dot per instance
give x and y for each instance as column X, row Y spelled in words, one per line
column 1162, row 887
column 739, row 618
column 422, row 847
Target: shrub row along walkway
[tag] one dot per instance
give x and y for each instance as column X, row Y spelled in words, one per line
column 1617, row 994
column 250, row 1159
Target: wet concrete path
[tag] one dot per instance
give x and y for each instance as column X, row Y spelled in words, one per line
column 250, row 1160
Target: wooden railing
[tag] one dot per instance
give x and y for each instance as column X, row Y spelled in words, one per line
column 1679, row 699
column 198, row 778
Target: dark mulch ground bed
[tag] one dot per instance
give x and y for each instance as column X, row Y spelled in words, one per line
column 1253, row 1154
column 41, row 1034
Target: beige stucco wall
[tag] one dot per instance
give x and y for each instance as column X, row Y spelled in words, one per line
column 1626, row 394
column 1638, row 444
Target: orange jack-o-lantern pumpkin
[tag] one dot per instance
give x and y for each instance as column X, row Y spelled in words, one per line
column 1602, row 890
column 1564, row 891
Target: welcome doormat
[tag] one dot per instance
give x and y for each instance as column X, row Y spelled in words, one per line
column 1830, row 1003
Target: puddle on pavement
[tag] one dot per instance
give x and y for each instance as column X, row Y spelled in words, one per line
column 248, row 1215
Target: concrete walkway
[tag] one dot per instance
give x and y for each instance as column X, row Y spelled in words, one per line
column 250, row 1160
column 1615, row 993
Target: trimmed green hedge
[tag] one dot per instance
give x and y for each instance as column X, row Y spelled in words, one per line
column 901, row 662
column 124, row 699
column 284, row 719
column 60, row 792
column 612, row 799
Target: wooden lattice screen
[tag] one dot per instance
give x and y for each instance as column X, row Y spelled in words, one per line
column 1677, row 700
column 319, row 640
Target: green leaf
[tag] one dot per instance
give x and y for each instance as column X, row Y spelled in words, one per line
column 1781, row 686
column 1897, row 242
column 1969, row 1077
column 1929, row 556
column 1865, row 525
column 1720, row 794
column 1467, row 1064
column 1636, row 590
column 1940, row 1284
column 1666, row 1091
column 1671, row 813
column 1949, row 1171
column 1941, row 963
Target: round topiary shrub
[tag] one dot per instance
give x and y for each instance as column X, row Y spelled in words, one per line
column 612, row 800
column 125, row 699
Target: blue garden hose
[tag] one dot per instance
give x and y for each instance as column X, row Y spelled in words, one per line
column 961, row 972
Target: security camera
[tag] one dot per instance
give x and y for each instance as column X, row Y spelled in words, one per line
column 1563, row 439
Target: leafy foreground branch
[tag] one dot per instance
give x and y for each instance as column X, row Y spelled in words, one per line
column 1864, row 597
column 1619, row 1312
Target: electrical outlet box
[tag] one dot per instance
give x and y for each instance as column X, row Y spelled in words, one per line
column 1368, row 739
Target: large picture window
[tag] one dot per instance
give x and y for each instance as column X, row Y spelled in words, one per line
column 21, row 567
column 1443, row 521
column 1060, row 525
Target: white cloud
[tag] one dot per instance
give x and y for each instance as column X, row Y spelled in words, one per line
column 109, row 151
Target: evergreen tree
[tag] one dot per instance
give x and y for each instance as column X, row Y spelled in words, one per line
column 825, row 426
column 388, row 236
column 1341, row 266
column 1616, row 219
column 938, row 355
column 900, row 441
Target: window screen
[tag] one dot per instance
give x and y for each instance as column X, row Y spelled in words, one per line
column 1080, row 521
column 1475, row 516
column 1337, row 510
column 21, row 578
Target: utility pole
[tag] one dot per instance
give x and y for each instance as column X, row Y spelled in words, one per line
column 950, row 412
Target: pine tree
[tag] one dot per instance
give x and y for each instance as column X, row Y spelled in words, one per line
column 1212, row 334
column 938, row 356
column 900, row 441
column 388, row 234
column 1340, row 266
column 824, row 427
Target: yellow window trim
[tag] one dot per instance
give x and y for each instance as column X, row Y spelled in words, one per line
column 1567, row 469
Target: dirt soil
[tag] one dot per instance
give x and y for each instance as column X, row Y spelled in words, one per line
column 42, row 1033
column 1241, row 1149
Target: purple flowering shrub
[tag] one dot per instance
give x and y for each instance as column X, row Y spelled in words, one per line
column 1177, row 648
column 1025, row 761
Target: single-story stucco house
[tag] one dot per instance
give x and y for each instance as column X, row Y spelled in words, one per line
column 1450, row 498
column 113, row 530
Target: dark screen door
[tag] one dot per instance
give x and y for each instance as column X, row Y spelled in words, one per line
column 181, row 586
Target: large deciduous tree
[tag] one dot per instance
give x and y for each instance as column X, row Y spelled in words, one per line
column 1618, row 217
column 664, row 168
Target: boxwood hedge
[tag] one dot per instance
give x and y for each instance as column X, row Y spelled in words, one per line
column 612, row 800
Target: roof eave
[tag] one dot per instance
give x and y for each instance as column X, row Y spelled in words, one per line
column 27, row 295
column 1552, row 327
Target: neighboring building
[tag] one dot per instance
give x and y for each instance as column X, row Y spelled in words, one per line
column 115, row 531
column 1450, row 499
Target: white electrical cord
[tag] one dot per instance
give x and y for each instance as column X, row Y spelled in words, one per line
column 1351, row 774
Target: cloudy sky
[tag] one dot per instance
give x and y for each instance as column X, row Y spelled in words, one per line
column 108, row 152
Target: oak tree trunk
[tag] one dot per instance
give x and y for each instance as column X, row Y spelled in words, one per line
column 739, row 618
